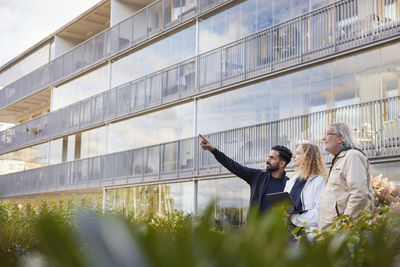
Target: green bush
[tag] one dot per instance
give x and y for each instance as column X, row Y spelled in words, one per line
column 183, row 240
column 68, row 233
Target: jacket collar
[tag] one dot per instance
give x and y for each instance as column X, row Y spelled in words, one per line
column 310, row 178
column 339, row 154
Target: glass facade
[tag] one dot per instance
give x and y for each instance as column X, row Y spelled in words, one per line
column 25, row 66
column 154, row 128
column 81, row 88
column 249, row 17
column 150, row 200
column 157, row 144
column 350, row 80
column 25, row 159
column 387, row 170
column 230, row 196
column 168, row 51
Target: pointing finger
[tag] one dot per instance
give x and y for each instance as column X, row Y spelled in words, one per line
column 202, row 137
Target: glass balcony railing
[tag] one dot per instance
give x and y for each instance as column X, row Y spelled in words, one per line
column 150, row 21
column 318, row 34
column 376, row 124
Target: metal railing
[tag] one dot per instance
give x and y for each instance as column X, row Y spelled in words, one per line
column 146, row 23
column 284, row 45
column 376, row 124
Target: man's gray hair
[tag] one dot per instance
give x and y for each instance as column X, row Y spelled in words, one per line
column 343, row 129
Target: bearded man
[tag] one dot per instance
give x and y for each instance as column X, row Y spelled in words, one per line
column 261, row 182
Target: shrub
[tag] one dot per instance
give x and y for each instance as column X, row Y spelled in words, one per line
column 386, row 193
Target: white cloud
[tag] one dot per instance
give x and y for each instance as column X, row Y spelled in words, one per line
column 23, row 23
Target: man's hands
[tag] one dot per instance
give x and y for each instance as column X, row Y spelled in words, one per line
column 205, row 144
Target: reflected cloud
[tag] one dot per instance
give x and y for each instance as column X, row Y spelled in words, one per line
column 234, row 31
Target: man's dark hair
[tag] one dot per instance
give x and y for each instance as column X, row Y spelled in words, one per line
column 284, row 153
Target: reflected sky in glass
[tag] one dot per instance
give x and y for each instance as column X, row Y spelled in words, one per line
column 151, row 200
column 232, row 199
column 166, row 52
column 83, row 87
column 25, row 66
column 158, row 127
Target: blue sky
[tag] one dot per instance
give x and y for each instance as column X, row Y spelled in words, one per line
column 23, row 23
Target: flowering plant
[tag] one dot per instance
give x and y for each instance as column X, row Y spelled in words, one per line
column 34, row 130
column 386, row 193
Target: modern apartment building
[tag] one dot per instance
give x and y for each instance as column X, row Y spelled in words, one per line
column 111, row 104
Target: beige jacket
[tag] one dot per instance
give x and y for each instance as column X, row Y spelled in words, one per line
column 348, row 188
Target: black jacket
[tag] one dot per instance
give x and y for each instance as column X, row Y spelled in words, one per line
column 257, row 179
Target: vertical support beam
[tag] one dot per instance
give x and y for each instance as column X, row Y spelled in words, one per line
column 195, row 199
column 196, row 76
column 104, row 200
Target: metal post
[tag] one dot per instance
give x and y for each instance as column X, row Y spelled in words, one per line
column 195, row 198
column 104, row 200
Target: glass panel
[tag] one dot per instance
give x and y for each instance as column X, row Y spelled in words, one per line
column 77, row 58
column 24, row 159
column 119, row 165
column 97, row 108
column 172, row 11
column 299, row 7
column 281, row 10
column 99, row 46
column 170, row 82
column 232, row 199
column 153, row 128
column 280, row 90
column 368, row 83
column 25, row 66
column 154, row 16
column 153, row 90
column 151, row 200
column 321, row 83
column 187, row 76
column 169, row 157
column 136, row 162
column 85, row 112
column 111, row 105
column 93, row 142
column 300, row 92
column 67, row 63
column 390, row 71
column 139, row 31
column 343, row 81
column 125, row 33
column 151, row 160
column 238, row 108
column 88, row 52
column 56, row 151
column 161, row 54
column 83, row 87
column 123, row 99
column 186, row 154
column 94, row 169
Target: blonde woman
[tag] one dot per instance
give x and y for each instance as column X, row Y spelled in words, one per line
column 306, row 187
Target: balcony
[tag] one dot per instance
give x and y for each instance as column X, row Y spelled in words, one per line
column 376, row 123
column 136, row 30
column 296, row 42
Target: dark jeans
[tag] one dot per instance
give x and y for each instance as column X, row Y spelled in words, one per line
column 291, row 227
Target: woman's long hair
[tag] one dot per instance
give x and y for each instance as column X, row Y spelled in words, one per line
column 312, row 163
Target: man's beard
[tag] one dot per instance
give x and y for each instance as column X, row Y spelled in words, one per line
column 272, row 168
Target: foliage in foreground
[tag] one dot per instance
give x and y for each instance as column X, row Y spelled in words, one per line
column 67, row 233
column 182, row 240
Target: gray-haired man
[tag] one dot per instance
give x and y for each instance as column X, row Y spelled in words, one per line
column 349, row 188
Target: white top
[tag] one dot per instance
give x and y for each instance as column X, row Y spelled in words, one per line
column 310, row 199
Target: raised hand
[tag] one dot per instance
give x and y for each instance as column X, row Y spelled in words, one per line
column 205, row 144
